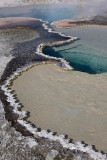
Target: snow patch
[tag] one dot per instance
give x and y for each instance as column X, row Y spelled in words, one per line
column 31, row 142
column 3, row 62
column 51, row 155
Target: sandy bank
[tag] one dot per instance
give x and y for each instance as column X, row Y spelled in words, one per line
column 78, row 24
column 64, row 24
column 68, row 102
column 14, row 21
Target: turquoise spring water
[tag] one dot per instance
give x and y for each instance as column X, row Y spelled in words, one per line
column 87, row 55
column 80, row 57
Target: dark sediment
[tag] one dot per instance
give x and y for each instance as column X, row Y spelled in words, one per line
column 25, row 53
column 97, row 20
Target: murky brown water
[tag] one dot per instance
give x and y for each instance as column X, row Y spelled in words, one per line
column 68, row 102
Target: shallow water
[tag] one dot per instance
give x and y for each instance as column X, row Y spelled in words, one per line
column 88, row 54
column 92, row 36
column 67, row 102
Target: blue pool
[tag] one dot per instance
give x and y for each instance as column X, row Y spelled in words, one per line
column 89, row 54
